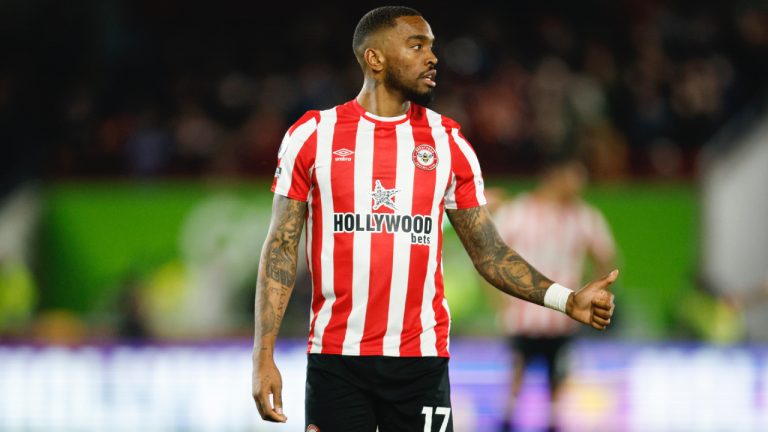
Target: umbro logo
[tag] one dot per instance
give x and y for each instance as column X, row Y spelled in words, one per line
column 343, row 152
column 342, row 155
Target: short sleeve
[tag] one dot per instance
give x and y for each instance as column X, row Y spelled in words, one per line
column 295, row 159
column 466, row 188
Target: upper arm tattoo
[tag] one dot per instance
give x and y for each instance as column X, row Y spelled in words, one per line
column 497, row 263
column 277, row 267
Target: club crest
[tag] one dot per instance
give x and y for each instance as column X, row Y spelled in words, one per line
column 425, row 157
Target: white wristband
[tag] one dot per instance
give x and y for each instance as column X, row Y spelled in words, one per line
column 556, row 297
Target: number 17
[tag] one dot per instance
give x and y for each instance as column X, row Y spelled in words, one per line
column 443, row 411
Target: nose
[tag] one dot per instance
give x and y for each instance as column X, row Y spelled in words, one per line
column 431, row 58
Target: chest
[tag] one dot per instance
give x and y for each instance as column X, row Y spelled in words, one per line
column 395, row 169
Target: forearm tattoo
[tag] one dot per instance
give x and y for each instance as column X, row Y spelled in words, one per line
column 277, row 267
column 501, row 266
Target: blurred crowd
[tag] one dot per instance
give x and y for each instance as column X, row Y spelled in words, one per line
column 166, row 88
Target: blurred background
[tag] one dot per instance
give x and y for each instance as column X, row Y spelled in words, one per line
column 138, row 143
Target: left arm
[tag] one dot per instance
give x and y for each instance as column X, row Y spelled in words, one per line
column 505, row 269
column 499, row 264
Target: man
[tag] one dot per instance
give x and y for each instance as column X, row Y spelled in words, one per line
column 372, row 178
column 556, row 231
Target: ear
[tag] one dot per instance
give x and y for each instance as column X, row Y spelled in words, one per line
column 374, row 59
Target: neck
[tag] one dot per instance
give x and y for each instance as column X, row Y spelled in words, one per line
column 549, row 193
column 379, row 100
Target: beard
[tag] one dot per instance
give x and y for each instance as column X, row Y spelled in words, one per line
column 394, row 80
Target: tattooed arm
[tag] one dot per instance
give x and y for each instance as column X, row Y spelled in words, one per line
column 501, row 266
column 277, row 274
column 505, row 269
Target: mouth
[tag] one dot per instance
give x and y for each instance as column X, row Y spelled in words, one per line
column 429, row 78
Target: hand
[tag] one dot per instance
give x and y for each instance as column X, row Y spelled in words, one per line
column 266, row 381
column 593, row 304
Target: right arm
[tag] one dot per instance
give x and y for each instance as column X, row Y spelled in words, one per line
column 274, row 284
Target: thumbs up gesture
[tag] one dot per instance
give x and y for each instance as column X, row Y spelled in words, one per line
column 593, row 304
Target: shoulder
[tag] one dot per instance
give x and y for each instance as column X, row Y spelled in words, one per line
column 587, row 208
column 518, row 206
column 513, row 210
column 522, row 199
column 300, row 132
column 309, row 119
column 420, row 111
column 520, row 202
column 450, row 123
column 590, row 214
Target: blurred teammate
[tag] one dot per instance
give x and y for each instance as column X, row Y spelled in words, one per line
column 556, row 232
column 371, row 179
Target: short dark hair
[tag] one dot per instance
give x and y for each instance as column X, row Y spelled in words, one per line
column 559, row 159
column 375, row 20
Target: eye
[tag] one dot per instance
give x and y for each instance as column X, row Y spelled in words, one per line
column 417, row 46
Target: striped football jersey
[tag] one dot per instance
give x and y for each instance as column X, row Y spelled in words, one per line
column 376, row 189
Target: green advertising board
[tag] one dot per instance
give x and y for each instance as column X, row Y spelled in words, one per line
column 97, row 236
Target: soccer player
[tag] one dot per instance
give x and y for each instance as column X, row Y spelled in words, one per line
column 371, row 179
column 556, row 231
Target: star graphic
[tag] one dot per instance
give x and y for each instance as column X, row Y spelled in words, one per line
column 383, row 197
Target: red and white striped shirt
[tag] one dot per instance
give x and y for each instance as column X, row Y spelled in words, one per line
column 555, row 239
column 376, row 188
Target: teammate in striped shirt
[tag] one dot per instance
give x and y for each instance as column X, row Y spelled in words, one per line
column 371, row 179
column 556, row 231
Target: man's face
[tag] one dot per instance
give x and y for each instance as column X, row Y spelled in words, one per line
column 410, row 62
column 573, row 179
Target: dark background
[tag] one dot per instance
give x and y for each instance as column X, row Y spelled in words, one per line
column 170, row 88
